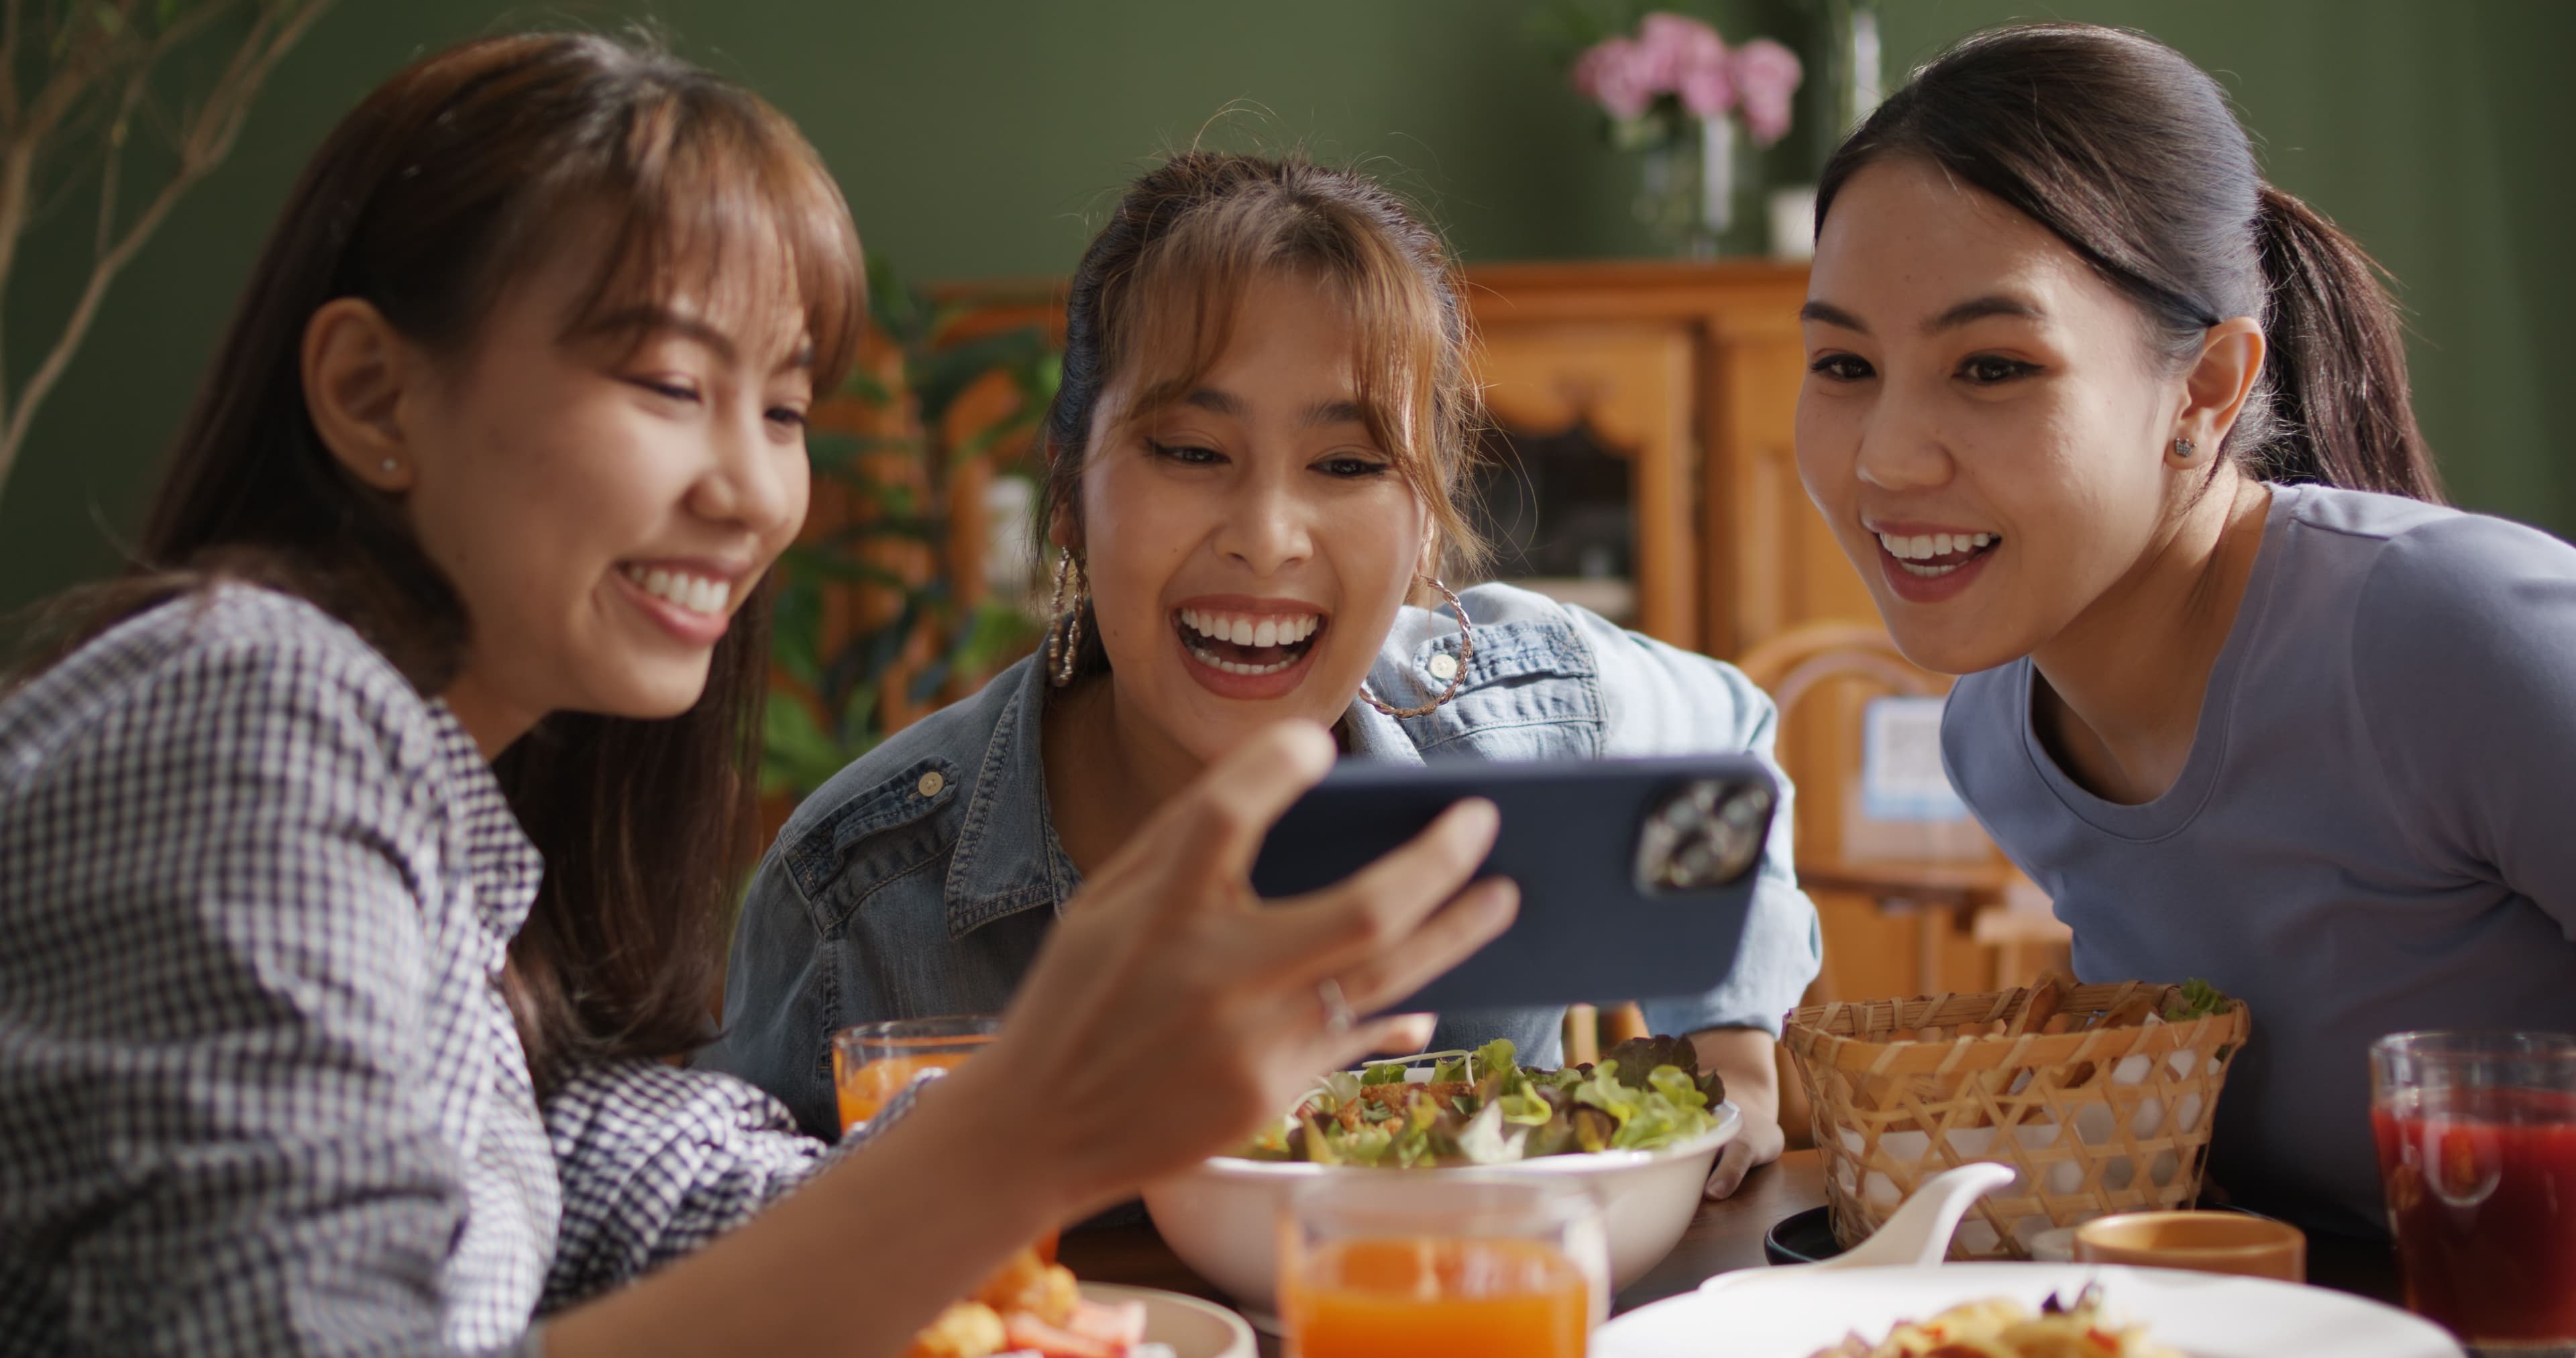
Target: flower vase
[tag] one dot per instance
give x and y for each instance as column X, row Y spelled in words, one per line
column 1686, row 186
column 1851, row 65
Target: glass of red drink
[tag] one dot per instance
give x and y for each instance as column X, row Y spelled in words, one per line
column 2477, row 1153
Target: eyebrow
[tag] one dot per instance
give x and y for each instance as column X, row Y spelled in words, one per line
column 1974, row 309
column 1324, row 412
column 652, row 320
column 1334, row 412
column 1981, row 308
column 1214, row 402
column 1830, row 314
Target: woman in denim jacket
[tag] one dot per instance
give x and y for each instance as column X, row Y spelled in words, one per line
column 1256, row 463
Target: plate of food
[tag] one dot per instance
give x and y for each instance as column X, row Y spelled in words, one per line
column 1642, row 1129
column 2015, row 1311
column 1035, row 1309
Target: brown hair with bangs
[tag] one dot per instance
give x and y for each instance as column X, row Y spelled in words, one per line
column 453, row 180
column 1155, row 301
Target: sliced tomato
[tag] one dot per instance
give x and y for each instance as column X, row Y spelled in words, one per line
column 1119, row 1324
column 1021, row 1330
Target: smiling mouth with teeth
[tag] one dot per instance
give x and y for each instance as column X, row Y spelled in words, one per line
column 1931, row 555
column 1247, row 643
column 699, row 594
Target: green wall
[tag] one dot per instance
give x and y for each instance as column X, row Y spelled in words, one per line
column 981, row 137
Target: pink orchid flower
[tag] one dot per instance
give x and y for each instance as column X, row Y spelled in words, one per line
column 1617, row 74
column 1766, row 77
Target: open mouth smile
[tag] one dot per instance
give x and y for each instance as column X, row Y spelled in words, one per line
column 1248, row 644
column 1929, row 556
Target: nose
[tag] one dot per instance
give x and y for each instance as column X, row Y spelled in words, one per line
column 1268, row 526
column 752, row 481
column 1901, row 446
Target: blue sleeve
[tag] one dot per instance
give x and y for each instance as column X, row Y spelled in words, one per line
column 2464, row 659
column 1657, row 699
column 777, row 1023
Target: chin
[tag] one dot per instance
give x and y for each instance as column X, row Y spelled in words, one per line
column 650, row 697
column 1938, row 646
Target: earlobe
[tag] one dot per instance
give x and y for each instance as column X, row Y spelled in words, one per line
column 356, row 368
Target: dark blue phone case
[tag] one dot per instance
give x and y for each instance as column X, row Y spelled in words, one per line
column 1591, row 929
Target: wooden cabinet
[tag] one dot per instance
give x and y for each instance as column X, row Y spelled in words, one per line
column 1690, row 371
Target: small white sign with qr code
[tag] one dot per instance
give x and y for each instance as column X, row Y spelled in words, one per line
column 1900, row 762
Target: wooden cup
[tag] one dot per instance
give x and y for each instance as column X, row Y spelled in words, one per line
column 2204, row 1242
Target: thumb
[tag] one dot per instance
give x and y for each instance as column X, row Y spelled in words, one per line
column 1732, row 1164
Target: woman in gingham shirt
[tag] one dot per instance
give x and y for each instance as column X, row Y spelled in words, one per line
column 361, row 855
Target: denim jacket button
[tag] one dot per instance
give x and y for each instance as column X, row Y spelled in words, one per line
column 930, row 784
column 1444, row 667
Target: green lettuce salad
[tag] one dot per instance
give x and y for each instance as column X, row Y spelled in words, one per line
column 1483, row 1108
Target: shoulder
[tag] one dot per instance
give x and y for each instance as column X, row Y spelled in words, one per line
column 1540, row 662
column 916, row 780
column 237, row 672
column 2454, row 604
column 2451, row 560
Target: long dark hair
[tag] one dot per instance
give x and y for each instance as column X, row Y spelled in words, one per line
column 1153, row 302
column 2130, row 154
column 441, row 189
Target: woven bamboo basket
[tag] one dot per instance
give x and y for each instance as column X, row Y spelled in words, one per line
column 2097, row 1119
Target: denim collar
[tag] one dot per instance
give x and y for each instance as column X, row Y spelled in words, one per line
column 991, row 873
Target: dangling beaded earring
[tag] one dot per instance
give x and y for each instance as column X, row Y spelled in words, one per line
column 1064, row 625
column 1457, row 676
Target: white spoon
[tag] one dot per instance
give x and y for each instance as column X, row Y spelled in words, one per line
column 1919, row 1234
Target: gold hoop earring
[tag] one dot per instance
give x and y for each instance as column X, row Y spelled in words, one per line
column 1458, row 676
column 1064, row 625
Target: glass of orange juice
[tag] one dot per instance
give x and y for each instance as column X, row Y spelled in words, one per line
column 872, row 1062
column 1389, row 1263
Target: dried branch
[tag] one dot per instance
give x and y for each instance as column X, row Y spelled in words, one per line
column 205, row 138
column 9, row 31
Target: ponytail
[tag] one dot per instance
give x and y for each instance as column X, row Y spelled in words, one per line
column 2340, row 412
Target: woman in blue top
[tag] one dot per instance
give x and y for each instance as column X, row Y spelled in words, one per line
column 2121, row 433
column 1256, row 463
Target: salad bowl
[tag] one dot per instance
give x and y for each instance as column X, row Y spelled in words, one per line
column 1221, row 1216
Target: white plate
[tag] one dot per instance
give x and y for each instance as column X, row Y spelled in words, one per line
column 1194, row 1328
column 1792, row 1312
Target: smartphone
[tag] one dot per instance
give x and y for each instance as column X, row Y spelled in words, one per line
column 1636, row 875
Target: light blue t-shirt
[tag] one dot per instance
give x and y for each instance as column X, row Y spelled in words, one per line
column 2375, row 830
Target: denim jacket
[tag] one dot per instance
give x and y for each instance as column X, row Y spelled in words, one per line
column 922, row 879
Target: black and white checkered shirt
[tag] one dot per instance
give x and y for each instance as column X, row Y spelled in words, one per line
column 259, row 1093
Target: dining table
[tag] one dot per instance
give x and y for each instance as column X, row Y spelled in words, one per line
column 1724, row 1235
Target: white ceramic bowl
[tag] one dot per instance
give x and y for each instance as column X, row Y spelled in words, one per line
column 1190, row 1327
column 1221, row 1217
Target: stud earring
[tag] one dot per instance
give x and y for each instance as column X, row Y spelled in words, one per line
column 391, row 466
column 2182, row 449
column 1456, row 668
column 1064, row 624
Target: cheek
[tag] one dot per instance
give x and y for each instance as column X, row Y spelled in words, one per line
column 1136, row 531
column 1375, row 546
column 1827, row 439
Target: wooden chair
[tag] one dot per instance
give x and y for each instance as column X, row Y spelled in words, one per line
column 1902, row 926
column 1822, row 676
